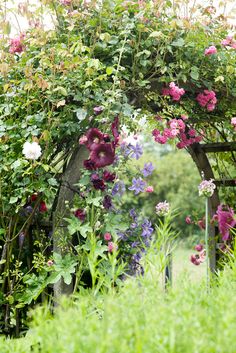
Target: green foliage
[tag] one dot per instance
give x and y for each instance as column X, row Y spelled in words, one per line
column 142, row 318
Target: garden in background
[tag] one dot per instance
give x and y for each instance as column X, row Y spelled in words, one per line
column 117, row 177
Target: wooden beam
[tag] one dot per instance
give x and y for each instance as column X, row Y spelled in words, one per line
column 225, row 182
column 218, row 147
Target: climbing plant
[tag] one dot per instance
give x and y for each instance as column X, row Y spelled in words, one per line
column 72, row 101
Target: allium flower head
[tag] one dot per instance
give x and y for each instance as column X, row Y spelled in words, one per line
column 162, row 208
column 138, row 185
column 206, row 188
column 31, row 150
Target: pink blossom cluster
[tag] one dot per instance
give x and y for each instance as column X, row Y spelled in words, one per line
column 174, row 91
column 211, row 50
column 197, row 259
column 65, row 2
column 162, row 208
column 207, row 99
column 16, row 45
column 229, row 42
column 206, row 188
column 177, row 128
column 226, row 220
column 233, row 122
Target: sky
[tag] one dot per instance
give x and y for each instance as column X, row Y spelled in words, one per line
column 21, row 24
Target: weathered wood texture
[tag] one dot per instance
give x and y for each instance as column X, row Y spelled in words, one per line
column 66, row 194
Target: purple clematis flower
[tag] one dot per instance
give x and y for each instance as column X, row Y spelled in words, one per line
column 138, row 185
column 148, row 169
column 135, row 151
column 118, row 188
column 147, row 229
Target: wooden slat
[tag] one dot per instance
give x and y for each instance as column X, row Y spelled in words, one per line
column 219, row 147
column 225, row 182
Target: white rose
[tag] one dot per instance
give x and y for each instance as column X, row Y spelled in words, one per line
column 31, row 150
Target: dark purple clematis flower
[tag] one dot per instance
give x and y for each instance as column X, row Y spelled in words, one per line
column 89, row 165
column 147, row 229
column 94, row 138
column 107, row 202
column 108, row 176
column 98, row 110
column 102, row 155
column 118, row 189
column 80, row 214
column 148, row 169
column 138, row 185
column 98, row 183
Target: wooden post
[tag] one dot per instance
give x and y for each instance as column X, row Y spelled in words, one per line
column 66, row 193
column 200, row 158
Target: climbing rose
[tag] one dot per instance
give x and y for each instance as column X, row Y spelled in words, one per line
column 162, row 208
column 31, row 150
column 211, row 50
column 102, row 155
column 233, row 122
column 16, row 45
column 206, row 188
column 207, row 99
column 174, row 91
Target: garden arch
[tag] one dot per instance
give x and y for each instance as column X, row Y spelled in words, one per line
column 129, row 56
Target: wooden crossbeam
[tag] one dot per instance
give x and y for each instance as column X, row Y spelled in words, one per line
column 219, row 147
column 225, row 182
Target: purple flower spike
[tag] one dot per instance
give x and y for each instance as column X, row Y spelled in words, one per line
column 138, row 185
column 148, row 169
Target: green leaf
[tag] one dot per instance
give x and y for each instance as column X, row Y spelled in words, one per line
column 194, row 73
column 178, row 43
column 61, row 90
column 81, row 114
column 13, row 199
column 109, row 70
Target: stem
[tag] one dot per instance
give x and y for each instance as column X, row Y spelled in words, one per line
column 207, row 246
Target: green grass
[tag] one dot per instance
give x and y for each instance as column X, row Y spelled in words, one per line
column 141, row 318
